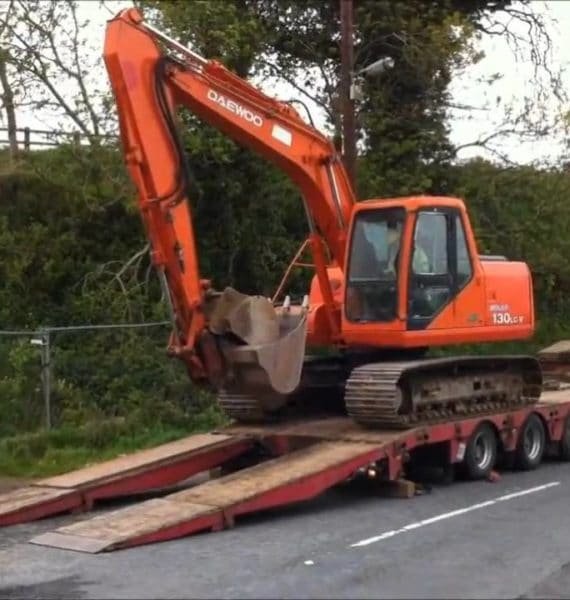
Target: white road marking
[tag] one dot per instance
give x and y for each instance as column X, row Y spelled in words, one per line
column 309, row 562
column 453, row 513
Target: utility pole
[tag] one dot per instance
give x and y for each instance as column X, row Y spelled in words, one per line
column 347, row 103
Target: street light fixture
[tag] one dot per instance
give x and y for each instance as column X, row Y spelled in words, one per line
column 377, row 67
column 372, row 70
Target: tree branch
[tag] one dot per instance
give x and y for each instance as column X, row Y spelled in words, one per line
column 44, row 41
column 281, row 73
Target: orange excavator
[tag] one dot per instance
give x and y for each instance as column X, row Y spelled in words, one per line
column 393, row 278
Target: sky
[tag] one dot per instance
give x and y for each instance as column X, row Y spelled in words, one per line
column 515, row 83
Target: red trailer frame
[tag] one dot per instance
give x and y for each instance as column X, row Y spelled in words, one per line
column 280, row 464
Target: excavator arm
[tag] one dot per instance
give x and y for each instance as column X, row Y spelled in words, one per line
column 148, row 84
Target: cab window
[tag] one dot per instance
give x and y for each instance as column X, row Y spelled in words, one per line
column 371, row 293
column 430, row 249
column 464, row 268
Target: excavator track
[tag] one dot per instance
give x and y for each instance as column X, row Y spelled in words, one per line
column 398, row 395
column 243, row 408
column 320, row 391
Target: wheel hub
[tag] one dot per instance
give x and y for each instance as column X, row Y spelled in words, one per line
column 532, row 443
column 483, row 454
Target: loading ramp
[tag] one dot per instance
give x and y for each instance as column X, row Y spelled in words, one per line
column 213, row 505
column 142, row 471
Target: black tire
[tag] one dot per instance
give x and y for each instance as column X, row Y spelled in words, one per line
column 481, row 452
column 564, row 447
column 531, row 444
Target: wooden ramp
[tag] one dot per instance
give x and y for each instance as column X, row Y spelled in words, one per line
column 142, row 471
column 213, row 505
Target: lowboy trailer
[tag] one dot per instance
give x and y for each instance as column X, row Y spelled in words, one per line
column 271, row 465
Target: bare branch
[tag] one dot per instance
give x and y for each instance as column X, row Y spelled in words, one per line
column 77, row 62
column 135, row 259
column 6, row 18
column 281, row 73
column 45, row 45
column 114, row 272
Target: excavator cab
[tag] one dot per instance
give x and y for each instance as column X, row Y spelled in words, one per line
column 377, row 263
column 418, row 250
column 414, row 277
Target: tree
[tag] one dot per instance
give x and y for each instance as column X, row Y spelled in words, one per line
column 51, row 67
column 7, row 91
column 403, row 118
column 8, row 105
column 522, row 28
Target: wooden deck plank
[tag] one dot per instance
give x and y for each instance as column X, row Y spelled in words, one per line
column 200, row 507
column 272, row 474
column 327, row 428
column 554, row 397
column 25, row 497
column 115, row 529
column 123, row 465
column 558, row 351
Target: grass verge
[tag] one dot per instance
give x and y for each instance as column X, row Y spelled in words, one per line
column 46, row 453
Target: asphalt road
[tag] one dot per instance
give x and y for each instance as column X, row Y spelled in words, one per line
column 508, row 539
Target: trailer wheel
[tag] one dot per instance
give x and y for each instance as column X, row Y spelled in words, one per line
column 564, row 449
column 531, row 444
column 481, row 452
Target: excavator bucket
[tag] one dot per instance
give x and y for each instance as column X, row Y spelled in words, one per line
column 264, row 348
column 252, row 319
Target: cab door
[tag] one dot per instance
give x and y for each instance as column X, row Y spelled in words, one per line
column 441, row 271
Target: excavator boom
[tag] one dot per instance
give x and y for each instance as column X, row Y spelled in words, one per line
column 149, row 84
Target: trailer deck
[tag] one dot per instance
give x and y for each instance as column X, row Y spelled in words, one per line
column 301, row 460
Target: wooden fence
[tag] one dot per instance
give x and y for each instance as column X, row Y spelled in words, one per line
column 48, row 137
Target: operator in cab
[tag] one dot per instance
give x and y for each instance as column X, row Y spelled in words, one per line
column 420, row 262
column 373, row 272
